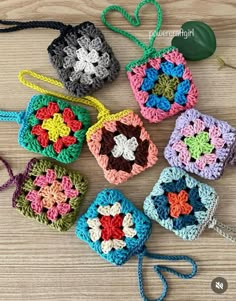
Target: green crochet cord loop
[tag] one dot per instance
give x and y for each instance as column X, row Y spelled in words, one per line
column 134, row 21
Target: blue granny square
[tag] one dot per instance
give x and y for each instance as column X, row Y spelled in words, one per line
column 113, row 227
column 181, row 204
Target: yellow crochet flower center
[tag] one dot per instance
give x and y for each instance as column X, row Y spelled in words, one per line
column 56, row 127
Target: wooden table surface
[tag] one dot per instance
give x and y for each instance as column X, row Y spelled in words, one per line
column 37, row 263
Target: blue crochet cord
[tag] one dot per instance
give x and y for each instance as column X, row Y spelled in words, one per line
column 162, row 268
column 12, row 116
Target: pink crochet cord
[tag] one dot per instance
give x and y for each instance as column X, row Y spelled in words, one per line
column 17, row 180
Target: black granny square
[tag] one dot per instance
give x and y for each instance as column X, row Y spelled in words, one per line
column 83, row 59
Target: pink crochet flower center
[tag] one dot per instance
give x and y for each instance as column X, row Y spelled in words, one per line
column 53, row 195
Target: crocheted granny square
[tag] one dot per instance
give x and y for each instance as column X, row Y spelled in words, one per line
column 50, row 194
column 54, row 128
column 201, row 144
column 181, row 204
column 83, row 59
column 162, row 84
column 113, row 227
column 122, row 146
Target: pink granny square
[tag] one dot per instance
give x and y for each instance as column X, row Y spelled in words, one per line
column 162, row 85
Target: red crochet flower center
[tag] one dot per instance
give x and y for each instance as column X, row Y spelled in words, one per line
column 112, row 227
column 42, row 134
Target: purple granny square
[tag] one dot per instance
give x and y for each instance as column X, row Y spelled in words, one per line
column 201, row 144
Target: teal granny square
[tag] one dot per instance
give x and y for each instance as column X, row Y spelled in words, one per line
column 53, row 128
column 113, row 227
column 181, row 204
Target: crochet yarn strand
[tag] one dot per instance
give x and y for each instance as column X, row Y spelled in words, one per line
column 134, row 21
column 88, row 100
column 17, row 179
column 232, row 160
column 223, row 230
column 12, row 116
column 162, row 268
column 31, row 24
column 10, row 173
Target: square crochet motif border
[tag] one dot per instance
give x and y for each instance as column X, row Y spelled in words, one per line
column 29, row 141
column 142, row 226
column 68, row 39
column 36, row 169
column 109, row 125
column 136, row 71
column 214, row 169
column 207, row 194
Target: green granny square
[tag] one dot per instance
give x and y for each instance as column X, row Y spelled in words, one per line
column 54, row 128
column 50, row 194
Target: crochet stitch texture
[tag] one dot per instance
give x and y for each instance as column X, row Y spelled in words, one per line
column 161, row 81
column 83, row 59
column 113, row 227
column 201, row 144
column 181, row 204
column 50, row 194
column 121, row 146
column 162, row 85
column 116, row 230
column 118, row 141
column 54, row 128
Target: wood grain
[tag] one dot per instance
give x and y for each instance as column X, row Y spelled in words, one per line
column 37, row 263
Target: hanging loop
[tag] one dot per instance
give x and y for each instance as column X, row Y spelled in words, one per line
column 17, row 25
column 223, row 230
column 17, row 180
column 12, row 116
column 232, row 159
column 134, row 21
column 162, row 268
column 87, row 100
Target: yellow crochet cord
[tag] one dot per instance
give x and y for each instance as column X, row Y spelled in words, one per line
column 87, row 100
column 106, row 118
column 103, row 113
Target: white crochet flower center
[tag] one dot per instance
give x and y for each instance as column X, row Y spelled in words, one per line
column 86, row 61
column 125, row 147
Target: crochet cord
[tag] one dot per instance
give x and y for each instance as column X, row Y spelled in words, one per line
column 17, row 179
column 223, row 230
column 134, row 21
column 12, row 179
column 162, row 268
column 12, row 116
column 232, row 160
column 87, row 100
column 10, row 173
column 31, row 24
